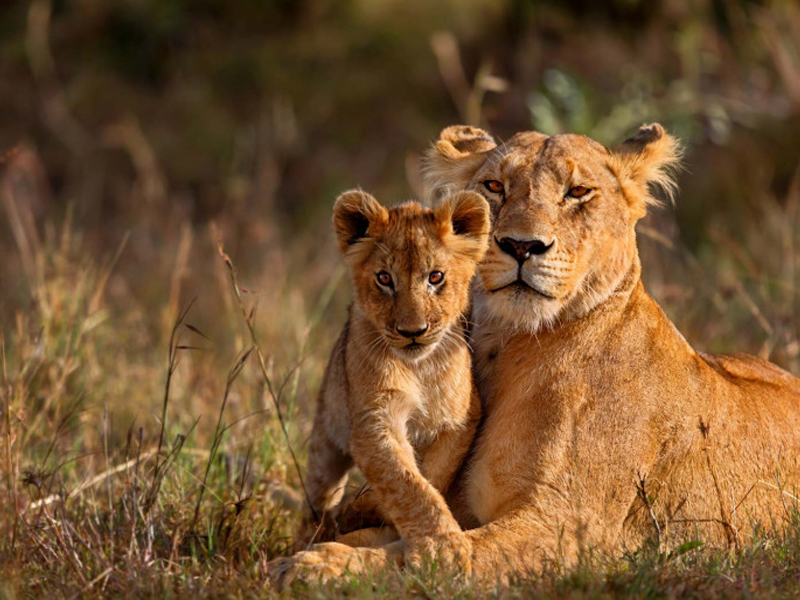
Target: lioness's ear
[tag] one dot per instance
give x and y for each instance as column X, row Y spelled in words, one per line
column 463, row 221
column 356, row 214
column 649, row 158
column 455, row 157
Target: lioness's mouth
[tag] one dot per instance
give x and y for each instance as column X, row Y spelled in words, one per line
column 522, row 286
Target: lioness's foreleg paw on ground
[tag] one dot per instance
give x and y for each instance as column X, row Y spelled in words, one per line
column 327, row 562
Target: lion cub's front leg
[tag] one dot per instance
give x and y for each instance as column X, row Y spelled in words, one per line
column 444, row 457
column 439, row 463
column 381, row 449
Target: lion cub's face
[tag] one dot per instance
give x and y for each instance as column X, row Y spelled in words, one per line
column 563, row 210
column 411, row 266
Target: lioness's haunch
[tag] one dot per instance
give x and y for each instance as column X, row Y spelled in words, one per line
column 602, row 426
column 398, row 397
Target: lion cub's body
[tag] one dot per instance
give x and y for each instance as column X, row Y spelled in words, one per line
column 398, row 398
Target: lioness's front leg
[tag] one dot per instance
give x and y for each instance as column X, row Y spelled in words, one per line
column 382, row 451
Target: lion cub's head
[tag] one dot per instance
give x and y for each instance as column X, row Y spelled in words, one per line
column 411, row 266
column 563, row 210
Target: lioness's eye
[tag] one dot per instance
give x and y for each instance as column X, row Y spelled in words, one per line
column 494, row 186
column 384, row 279
column 436, row 277
column 578, row 191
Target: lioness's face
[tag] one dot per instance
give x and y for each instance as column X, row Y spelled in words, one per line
column 561, row 226
column 563, row 213
column 411, row 266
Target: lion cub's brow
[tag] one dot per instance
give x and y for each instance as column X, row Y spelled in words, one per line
column 411, row 230
column 410, row 215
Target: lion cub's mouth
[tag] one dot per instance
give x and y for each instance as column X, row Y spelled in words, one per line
column 414, row 349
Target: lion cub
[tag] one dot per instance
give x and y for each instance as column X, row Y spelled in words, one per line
column 398, row 399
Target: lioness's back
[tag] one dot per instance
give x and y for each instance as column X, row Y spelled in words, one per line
column 745, row 367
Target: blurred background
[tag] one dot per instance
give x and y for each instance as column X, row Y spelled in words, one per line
column 137, row 135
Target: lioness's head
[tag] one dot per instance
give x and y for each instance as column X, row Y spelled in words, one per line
column 563, row 212
column 411, row 266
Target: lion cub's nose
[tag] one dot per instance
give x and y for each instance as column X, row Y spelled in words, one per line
column 412, row 334
column 522, row 250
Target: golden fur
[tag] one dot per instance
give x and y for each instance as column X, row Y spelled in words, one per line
column 398, row 398
column 602, row 426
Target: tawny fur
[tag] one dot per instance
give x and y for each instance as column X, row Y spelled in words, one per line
column 602, row 426
column 403, row 409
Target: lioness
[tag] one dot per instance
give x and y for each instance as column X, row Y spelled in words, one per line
column 398, row 397
column 602, row 425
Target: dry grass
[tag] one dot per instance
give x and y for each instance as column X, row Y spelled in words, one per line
column 155, row 402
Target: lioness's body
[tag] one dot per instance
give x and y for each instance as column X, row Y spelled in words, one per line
column 398, row 397
column 601, row 404
column 602, row 426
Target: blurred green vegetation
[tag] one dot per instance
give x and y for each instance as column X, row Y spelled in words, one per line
column 150, row 114
column 157, row 128
column 252, row 106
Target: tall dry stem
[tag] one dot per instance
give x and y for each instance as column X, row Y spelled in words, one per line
column 249, row 319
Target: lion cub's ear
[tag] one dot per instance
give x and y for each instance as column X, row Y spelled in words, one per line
column 356, row 215
column 463, row 223
column 649, row 158
column 455, row 157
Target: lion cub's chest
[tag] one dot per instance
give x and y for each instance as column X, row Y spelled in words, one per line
column 440, row 397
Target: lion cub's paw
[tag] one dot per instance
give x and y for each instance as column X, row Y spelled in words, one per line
column 447, row 551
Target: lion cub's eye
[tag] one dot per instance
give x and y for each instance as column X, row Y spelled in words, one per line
column 436, row 277
column 384, row 279
column 494, row 186
column 578, row 191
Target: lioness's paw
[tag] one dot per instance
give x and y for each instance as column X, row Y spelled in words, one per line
column 447, row 551
column 324, row 563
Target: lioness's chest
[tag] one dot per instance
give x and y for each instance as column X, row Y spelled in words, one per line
column 519, row 436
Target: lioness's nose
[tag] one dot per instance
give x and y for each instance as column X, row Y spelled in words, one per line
column 522, row 250
column 412, row 334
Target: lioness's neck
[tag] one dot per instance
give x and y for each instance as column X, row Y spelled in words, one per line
column 583, row 335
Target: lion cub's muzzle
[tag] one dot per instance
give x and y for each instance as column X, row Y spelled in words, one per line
column 412, row 333
column 413, row 343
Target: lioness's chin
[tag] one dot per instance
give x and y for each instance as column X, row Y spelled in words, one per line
column 526, row 310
